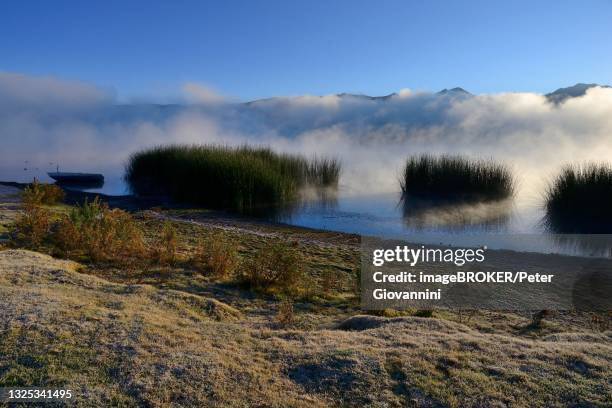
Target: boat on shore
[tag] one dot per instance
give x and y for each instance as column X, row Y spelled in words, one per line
column 77, row 178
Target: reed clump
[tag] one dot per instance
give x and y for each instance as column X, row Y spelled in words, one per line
column 456, row 178
column 243, row 179
column 579, row 199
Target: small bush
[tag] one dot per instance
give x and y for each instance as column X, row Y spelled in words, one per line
column 329, row 281
column 276, row 266
column 42, row 194
column 538, row 318
column 601, row 321
column 32, row 226
column 424, row 313
column 285, row 315
column 218, row 255
column 165, row 251
column 456, row 178
column 579, row 200
column 102, row 234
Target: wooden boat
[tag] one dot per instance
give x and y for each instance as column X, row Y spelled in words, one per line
column 77, row 178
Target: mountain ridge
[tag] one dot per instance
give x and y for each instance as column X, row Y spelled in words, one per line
column 557, row 96
column 562, row 94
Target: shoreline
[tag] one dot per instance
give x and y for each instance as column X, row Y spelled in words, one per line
column 201, row 216
column 165, row 209
column 178, row 315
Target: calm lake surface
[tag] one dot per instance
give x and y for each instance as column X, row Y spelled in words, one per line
column 503, row 225
column 513, row 225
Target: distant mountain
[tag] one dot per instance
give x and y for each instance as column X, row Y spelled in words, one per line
column 371, row 98
column 445, row 92
column 562, row 94
column 454, row 91
column 557, row 97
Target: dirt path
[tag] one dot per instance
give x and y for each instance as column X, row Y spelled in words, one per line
column 264, row 229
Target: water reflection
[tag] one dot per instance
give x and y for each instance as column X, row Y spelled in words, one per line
column 81, row 185
column 309, row 199
column 319, row 198
column 576, row 223
column 594, row 245
column 431, row 214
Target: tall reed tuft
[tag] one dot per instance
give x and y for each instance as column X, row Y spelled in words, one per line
column 456, row 178
column 244, row 179
column 579, row 199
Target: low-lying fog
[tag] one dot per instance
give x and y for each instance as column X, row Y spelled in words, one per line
column 46, row 121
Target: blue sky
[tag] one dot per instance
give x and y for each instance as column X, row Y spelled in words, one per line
column 254, row 49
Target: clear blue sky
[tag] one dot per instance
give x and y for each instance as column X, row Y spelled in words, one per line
column 259, row 48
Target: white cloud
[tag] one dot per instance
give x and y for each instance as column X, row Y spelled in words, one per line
column 18, row 91
column 47, row 120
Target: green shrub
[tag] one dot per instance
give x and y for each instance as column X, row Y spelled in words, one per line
column 243, row 179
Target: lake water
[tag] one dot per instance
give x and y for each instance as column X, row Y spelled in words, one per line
column 501, row 225
column 514, row 225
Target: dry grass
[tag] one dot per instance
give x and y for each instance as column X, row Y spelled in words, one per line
column 285, row 316
column 165, row 252
column 329, row 282
column 217, row 256
column 136, row 345
column 276, row 266
column 173, row 336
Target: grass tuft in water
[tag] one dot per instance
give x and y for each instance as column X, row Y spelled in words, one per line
column 579, row 199
column 456, row 178
column 243, row 179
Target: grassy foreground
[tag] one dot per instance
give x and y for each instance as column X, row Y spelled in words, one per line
column 167, row 329
column 243, row 179
column 579, row 200
column 456, row 178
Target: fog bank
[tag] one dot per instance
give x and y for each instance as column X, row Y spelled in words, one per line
column 45, row 121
